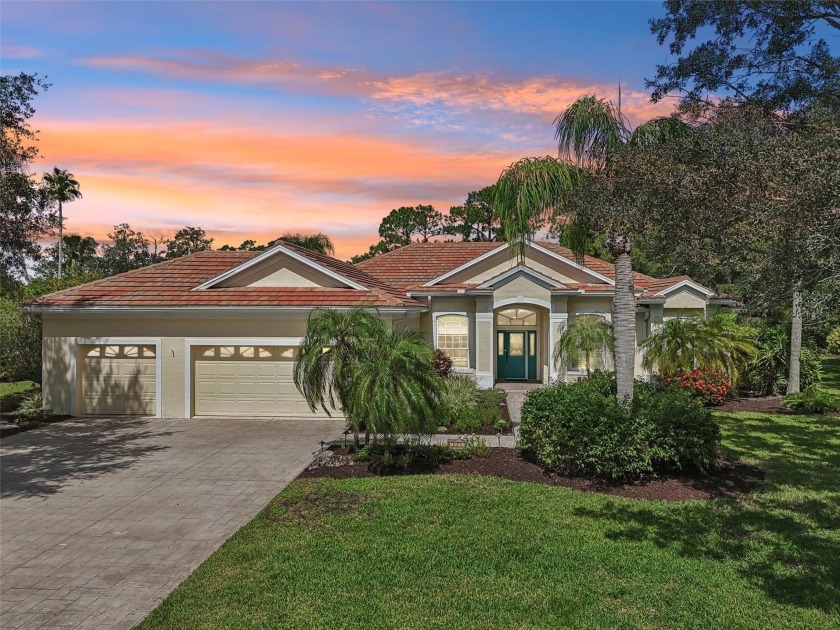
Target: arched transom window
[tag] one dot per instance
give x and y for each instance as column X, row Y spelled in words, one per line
column 516, row 317
column 453, row 336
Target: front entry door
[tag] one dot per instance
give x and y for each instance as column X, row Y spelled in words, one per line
column 516, row 355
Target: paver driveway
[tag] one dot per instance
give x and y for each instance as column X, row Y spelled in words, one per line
column 101, row 518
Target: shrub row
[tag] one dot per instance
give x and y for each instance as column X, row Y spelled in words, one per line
column 581, row 429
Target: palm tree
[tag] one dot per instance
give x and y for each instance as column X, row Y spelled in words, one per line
column 63, row 188
column 586, row 336
column 716, row 344
column 395, row 389
column 589, row 133
column 384, row 380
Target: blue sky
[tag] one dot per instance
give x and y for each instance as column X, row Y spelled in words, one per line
column 251, row 119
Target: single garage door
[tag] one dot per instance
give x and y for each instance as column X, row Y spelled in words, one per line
column 119, row 380
column 245, row 381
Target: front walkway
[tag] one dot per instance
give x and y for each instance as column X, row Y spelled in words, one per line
column 101, row 518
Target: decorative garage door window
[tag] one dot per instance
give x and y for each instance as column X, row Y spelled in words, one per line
column 516, row 317
column 453, row 336
column 251, row 353
column 121, row 352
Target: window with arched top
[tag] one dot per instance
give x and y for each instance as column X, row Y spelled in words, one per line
column 453, row 336
column 516, row 317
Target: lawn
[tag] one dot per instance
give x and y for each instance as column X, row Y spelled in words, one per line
column 478, row 552
column 11, row 394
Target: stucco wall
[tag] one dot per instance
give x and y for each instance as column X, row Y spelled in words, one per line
column 686, row 298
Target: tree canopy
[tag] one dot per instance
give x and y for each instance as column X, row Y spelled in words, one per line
column 187, row 240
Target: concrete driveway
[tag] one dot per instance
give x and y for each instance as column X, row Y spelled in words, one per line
column 101, row 518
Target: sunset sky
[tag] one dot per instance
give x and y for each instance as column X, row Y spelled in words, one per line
column 252, row 119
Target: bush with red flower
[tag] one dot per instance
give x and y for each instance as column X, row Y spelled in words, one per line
column 708, row 386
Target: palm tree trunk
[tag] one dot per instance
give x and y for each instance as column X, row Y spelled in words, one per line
column 60, row 242
column 795, row 343
column 624, row 326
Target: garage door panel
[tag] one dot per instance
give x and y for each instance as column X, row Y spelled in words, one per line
column 118, row 380
column 247, row 382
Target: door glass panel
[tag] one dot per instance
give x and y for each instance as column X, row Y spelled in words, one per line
column 517, row 344
column 532, row 345
column 500, row 341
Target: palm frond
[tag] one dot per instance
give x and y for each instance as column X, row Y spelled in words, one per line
column 589, row 130
column 527, row 192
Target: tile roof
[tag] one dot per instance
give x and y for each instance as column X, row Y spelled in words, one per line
column 172, row 284
column 417, row 264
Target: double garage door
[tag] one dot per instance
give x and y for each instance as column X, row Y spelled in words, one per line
column 246, row 381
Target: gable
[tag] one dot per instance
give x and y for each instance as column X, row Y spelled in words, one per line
column 685, row 297
column 281, row 272
column 522, row 288
column 550, row 265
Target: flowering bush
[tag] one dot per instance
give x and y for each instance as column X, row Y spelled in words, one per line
column 708, row 387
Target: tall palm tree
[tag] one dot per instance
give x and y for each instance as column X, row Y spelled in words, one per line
column 63, row 188
column 589, row 133
column 715, row 344
column 585, row 337
column 382, row 379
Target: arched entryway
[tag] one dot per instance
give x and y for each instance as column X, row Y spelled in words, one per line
column 519, row 345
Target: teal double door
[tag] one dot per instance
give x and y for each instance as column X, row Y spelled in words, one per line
column 516, row 355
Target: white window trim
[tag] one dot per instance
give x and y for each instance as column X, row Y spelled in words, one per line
column 116, row 341
column 223, row 341
column 470, row 335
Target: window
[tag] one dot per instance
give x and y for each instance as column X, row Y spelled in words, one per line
column 453, row 336
column 516, row 317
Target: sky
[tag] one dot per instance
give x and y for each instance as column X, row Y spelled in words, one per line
column 251, row 119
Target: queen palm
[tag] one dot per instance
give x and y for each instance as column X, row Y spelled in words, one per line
column 584, row 338
column 63, row 188
column 531, row 191
column 716, row 344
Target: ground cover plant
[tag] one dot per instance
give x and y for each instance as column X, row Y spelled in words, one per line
column 467, row 409
column 478, row 552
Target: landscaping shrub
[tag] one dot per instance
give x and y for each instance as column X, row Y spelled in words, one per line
column 768, row 372
column 13, row 394
column 832, row 342
column 32, row 408
column 581, row 429
column 813, row 400
column 707, row 386
column 458, row 397
column 20, row 358
column 442, row 363
column 390, row 457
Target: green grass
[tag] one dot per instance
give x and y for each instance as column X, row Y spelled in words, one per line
column 12, row 394
column 473, row 552
column 831, row 374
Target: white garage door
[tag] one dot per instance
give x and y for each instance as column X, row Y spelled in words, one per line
column 247, row 381
column 119, row 380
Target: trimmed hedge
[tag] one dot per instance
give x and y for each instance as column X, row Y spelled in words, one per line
column 581, row 429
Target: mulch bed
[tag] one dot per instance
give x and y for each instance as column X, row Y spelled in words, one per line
column 763, row 404
column 733, row 479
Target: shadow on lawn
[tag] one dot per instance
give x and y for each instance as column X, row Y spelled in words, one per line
column 40, row 462
column 776, row 538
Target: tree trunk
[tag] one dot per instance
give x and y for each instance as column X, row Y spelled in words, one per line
column 60, row 242
column 795, row 343
column 624, row 324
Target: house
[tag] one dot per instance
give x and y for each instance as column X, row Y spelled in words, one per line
column 214, row 333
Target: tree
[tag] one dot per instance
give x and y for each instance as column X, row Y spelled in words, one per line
column 25, row 212
column 187, row 240
column 584, row 337
column 319, row 242
column 714, row 344
column 374, row 250
column 129, row 250
column 80, row 258
column 476, row 220
column 589, row 133
column 63, row 188
column 349, row 358
column 248, row 245
column 20, row 359
column 764, row 52
column 403, row 224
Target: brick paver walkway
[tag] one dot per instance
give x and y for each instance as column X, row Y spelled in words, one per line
column 101, row 518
